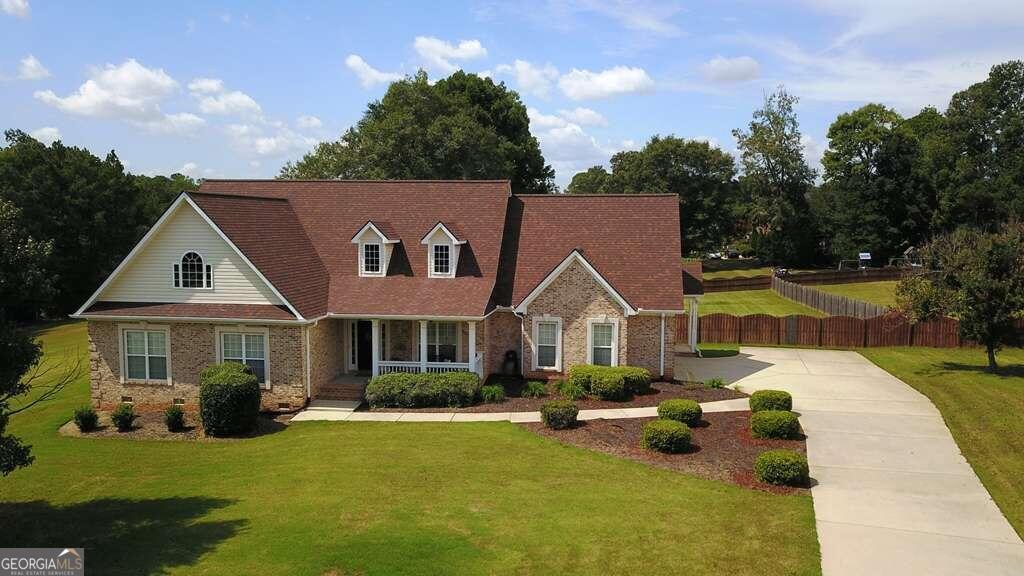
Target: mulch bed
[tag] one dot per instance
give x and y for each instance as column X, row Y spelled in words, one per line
column 660, row 391
column 722, row 447
column 150, row 426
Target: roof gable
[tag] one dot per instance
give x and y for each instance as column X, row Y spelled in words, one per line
column 575, row 257
column 447, row 230
column 383, row 230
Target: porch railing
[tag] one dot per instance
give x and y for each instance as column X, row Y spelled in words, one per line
column 413, row 367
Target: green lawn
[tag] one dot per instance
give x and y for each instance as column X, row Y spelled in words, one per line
column 984, row 411
column 882, row 293
column 743, row 302
column 382, row 498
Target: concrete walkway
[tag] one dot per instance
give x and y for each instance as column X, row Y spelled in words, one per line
column 320, row 410
column 893, row 495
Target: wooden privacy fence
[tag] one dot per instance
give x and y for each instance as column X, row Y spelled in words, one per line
column 831, row 304
column 833, row 331
column 803, row 278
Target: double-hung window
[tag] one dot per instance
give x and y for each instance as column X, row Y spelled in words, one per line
column 247, row 348
column 602, row 340
column 547, row 337
column 442, row 259
column 145, row 355
column 442, row 341
column 371, row 260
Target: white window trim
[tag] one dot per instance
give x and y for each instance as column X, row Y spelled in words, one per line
column 144, row 326
column 615, row 338
column 181, row 270
column 458, row 339
column 243, row 329
column 535, row 346
column 382, row 256
column 453, row 253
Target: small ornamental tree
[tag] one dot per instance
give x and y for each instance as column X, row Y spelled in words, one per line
column 975, row 277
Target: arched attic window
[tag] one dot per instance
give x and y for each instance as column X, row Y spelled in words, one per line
column 193, row 272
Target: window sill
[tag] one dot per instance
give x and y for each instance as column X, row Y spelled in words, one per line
column 137, row 382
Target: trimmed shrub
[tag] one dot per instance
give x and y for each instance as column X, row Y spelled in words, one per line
column 534, row 389
column 123, row 417
column 570, row 390
column 611, row 382
column 559, row 414
column 688, row 412
column 440, row 390
column 770, row 400
column 666, row 436
column 783, row 467
column 715, row 383
column 229, row 399
column 778, row 424
column 174, row 417
column 492, row 394
column 86, row 418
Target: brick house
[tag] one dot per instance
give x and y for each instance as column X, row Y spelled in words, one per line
column 320, row 284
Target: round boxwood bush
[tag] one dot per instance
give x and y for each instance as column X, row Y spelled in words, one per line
column 534, row 389
column 681, row 410
column 492, row 394
column 229, row 399
column 666, row 436
column 559, row 414
column 86, row 418
column 608, row 386
column 123, row 417
column 783, row 467
column 779, row 424
column 770, row 400
column 174, row 417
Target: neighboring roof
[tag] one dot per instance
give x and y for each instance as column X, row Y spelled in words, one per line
column 330, row 211
column 632, row 240
column 268, row 232
column 693, row 278
column 191, row 310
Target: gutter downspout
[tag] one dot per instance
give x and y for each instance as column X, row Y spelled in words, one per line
column 522, row 341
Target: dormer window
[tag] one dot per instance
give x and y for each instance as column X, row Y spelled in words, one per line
column 375, row 241
column 443, row 247
column 192, row 272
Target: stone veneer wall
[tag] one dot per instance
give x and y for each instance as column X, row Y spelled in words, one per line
column 645, row 343
column 501, row 333
column 192, row 348
column 574, row 296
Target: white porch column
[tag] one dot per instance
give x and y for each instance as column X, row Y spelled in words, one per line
column 661, row 355
column 694, row 319
column 472, row 349
column 423, row 346
column 375, row 334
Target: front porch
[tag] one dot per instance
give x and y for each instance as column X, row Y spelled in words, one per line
column 383, row 346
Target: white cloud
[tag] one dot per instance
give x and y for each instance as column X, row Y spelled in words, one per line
column 878, row 17
column 813, row 150
column 638, row 15
column 531, row 78
column 206, row 85
column 368, row 75
column 181, row 123
column 31, row 68
column 541, row 121
column 189, row 169
column 255, row 140
column 308, row 122
column 19, row 8
column 584, row 117
column 567, row 146
column 728, row 70
column 438, row 54
column 585, row 85
column 47, row 134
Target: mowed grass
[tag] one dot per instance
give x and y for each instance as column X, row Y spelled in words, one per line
column 984, row 411
column 382, row 498
column 882, row 293
column 743, row 302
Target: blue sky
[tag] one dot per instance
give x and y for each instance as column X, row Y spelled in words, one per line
column 225, row 89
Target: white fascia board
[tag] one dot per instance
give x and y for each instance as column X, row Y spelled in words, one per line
column 574, row 256
column 443, row 228
column 371, row 226
column 646, row 312
column 254, row 321
column 406, row 317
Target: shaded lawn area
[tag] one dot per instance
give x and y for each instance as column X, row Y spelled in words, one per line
column 743, row 302
column 984, row 411
column 382, row 498
column 882, row 293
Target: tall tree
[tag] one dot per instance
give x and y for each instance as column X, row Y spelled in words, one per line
column 876, row 199
column 703, row 176
column 976, row 277
column 986, row 128
column 25, row 282
column 778, row 180
column 463, row 126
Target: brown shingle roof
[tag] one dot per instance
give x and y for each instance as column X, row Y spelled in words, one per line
column 191, row 310
column 693, row 278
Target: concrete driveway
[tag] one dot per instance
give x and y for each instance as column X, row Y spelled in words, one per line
column 893, row 493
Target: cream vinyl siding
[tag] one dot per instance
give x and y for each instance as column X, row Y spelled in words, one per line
column 148, row 277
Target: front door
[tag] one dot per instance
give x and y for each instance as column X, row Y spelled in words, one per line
column 364, row 348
